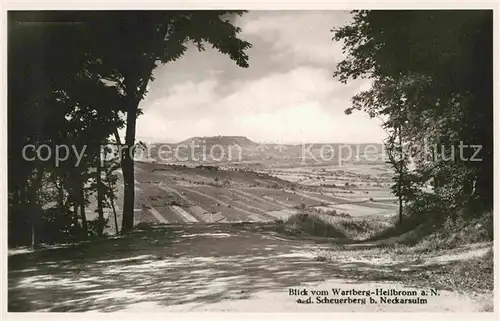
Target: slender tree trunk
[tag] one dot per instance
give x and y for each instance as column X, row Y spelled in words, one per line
column 117, row 138
column 401, row 172
column 61, row 196
column 400, row 210
column 99, row 196
column 134, row 87
column 135, row 82
column 117, row 230
column 35, row 210
column 23, row 195
column 81, row 201
column 75, row 211
column 60, row 190
column 110, row 186
column 119, row 143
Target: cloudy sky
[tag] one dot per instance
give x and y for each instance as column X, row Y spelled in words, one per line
column 287, row 94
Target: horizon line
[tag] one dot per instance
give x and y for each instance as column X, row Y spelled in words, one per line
column 172, row 141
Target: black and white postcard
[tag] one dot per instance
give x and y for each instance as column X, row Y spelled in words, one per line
column 276, row 161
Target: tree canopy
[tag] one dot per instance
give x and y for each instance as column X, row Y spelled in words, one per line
column 75, row 78
column 431, row 76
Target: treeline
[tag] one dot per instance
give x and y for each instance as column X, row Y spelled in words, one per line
column 75, row 79
column 431, row 75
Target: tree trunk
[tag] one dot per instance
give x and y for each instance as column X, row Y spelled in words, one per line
column 401, row 173
column 35, row 210
column 60, row 191
column 134, row 89
column 61, row 195
column 81, row 200
column 110, row 186
column 117, row 138
column 135, row 82
column 128, row 171
column 15, row 219
column 75, row 211
column 400, row 210
column 99, row 196
column 117, row 231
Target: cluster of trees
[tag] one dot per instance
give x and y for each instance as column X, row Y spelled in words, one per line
column 431, row 75
column 75, row 79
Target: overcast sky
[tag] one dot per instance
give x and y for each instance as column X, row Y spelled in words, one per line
column 287, row 94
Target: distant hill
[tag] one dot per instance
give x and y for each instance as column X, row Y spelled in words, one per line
column 240, row 149
column 242, row 141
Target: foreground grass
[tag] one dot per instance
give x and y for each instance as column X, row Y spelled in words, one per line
column 340, row 229
column 456, row 270
column 429, row 234
column 417, row 253
column 420, row 233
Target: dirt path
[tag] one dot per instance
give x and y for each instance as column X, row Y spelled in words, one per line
column 216, row 267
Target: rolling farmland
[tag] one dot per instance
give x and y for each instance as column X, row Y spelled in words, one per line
column 173, row 194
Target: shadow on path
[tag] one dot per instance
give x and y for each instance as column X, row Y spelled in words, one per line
column 198, row 264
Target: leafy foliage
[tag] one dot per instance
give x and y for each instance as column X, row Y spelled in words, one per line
column 75, row 78
column 431, row 75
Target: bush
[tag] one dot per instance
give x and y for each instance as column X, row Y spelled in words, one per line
column 460, row 231
column 305, row 224
column 342, row 229
column 93, row 226
column 430, row 225
column 411, row 223
column 59, row 227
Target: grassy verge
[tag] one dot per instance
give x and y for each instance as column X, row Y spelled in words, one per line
column 340, row 228
column 414, row 253
column 454, row 270
column 469, row 275
column 428, row 234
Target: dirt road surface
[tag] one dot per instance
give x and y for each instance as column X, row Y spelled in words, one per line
column 214, row 267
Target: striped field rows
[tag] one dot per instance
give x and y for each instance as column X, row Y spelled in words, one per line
column 210, row 205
